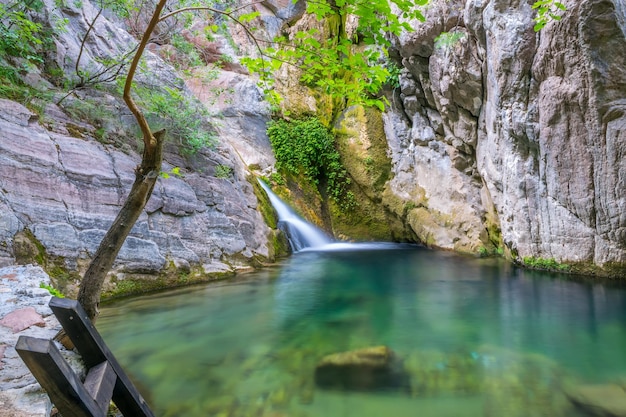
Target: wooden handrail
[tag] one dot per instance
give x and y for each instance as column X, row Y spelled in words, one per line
column 106, row 381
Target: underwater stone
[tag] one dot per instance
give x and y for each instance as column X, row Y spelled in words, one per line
column 607, row 400
column 363, row 369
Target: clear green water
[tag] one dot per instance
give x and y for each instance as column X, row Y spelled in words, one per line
column 478, row 337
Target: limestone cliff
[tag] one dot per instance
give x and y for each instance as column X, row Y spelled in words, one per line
column 501, row 139
column 502, row 136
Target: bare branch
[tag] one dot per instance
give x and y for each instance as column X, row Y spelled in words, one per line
column 208, row 9
column 148, row 138
column 83, row 41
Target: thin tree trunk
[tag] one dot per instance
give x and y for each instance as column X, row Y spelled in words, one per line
column 146, row 175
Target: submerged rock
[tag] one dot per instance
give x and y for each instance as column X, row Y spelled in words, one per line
column 608, row 400
column 435, row 373
column 369, row 368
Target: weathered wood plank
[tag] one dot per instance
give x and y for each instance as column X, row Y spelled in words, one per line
column 94, row 351
column 99, row 383
column 53, row 373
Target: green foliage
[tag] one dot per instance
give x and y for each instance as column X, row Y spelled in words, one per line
column 174, row 171
column 189, row 51
column 91, row 111
column 21, row 43
column 447, row 40
column 334, row 65
column 52, row 290
column 13, row 88
column 20, row 37
column 277, row 179
column 223, row 171
column 393, row 79
column 185, row 120
column 306, row 147
column 547, row 10
column 543, row 263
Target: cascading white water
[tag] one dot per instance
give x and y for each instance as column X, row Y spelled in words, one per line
column 301, row 235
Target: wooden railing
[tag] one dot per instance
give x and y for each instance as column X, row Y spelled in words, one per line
column 106, row 381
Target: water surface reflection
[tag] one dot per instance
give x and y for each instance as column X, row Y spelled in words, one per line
column 478, row 336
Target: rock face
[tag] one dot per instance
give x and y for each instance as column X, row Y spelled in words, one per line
column 500, row 135
column 61, row 184
column 498, row 138
column 60, row 194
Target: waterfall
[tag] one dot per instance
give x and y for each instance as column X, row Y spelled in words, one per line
column 300, row 233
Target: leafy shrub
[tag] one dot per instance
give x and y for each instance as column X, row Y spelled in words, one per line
column 393, row 79
column 185, row 120
column 543, row 263
column 547, row 10
column 21, row 43
column 223, row 171
column 306, row 147
column 20, row 37
column 188, row 50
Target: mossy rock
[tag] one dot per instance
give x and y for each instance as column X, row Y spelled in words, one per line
column 29, row 250
column 600, row 400
column 361, row 143
column 117, row 286
column 434, row 373
column 265, row 206
column 520, row 385
column 369, row 368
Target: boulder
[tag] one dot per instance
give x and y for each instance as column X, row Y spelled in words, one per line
column 608, row 400
column 370, row 368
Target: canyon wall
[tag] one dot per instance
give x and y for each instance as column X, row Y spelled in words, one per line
column 496, row 139
column 503, row 137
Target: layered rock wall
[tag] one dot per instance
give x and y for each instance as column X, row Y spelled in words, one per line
column 62, row 181
column 59, row 195
column 501, row 135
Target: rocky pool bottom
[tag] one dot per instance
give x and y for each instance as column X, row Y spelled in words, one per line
column 393, row 332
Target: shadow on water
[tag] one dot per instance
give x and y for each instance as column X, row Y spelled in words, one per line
column 475, row 337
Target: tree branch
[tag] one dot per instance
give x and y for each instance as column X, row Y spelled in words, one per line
column 148, row 138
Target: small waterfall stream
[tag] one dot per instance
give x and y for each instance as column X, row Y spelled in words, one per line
column 301, row 234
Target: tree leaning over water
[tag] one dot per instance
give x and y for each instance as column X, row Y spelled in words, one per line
column 146, row 175
column 332, row 67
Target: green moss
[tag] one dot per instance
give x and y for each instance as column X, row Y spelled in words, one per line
column 39, row 254
column 426, row 223
column 363, row 149
column 29, row 250
column 265, row 206
column 279, row 245
column 548, row 264
column 171, row 277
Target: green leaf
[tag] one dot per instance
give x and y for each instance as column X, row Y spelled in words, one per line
column 248, row 17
